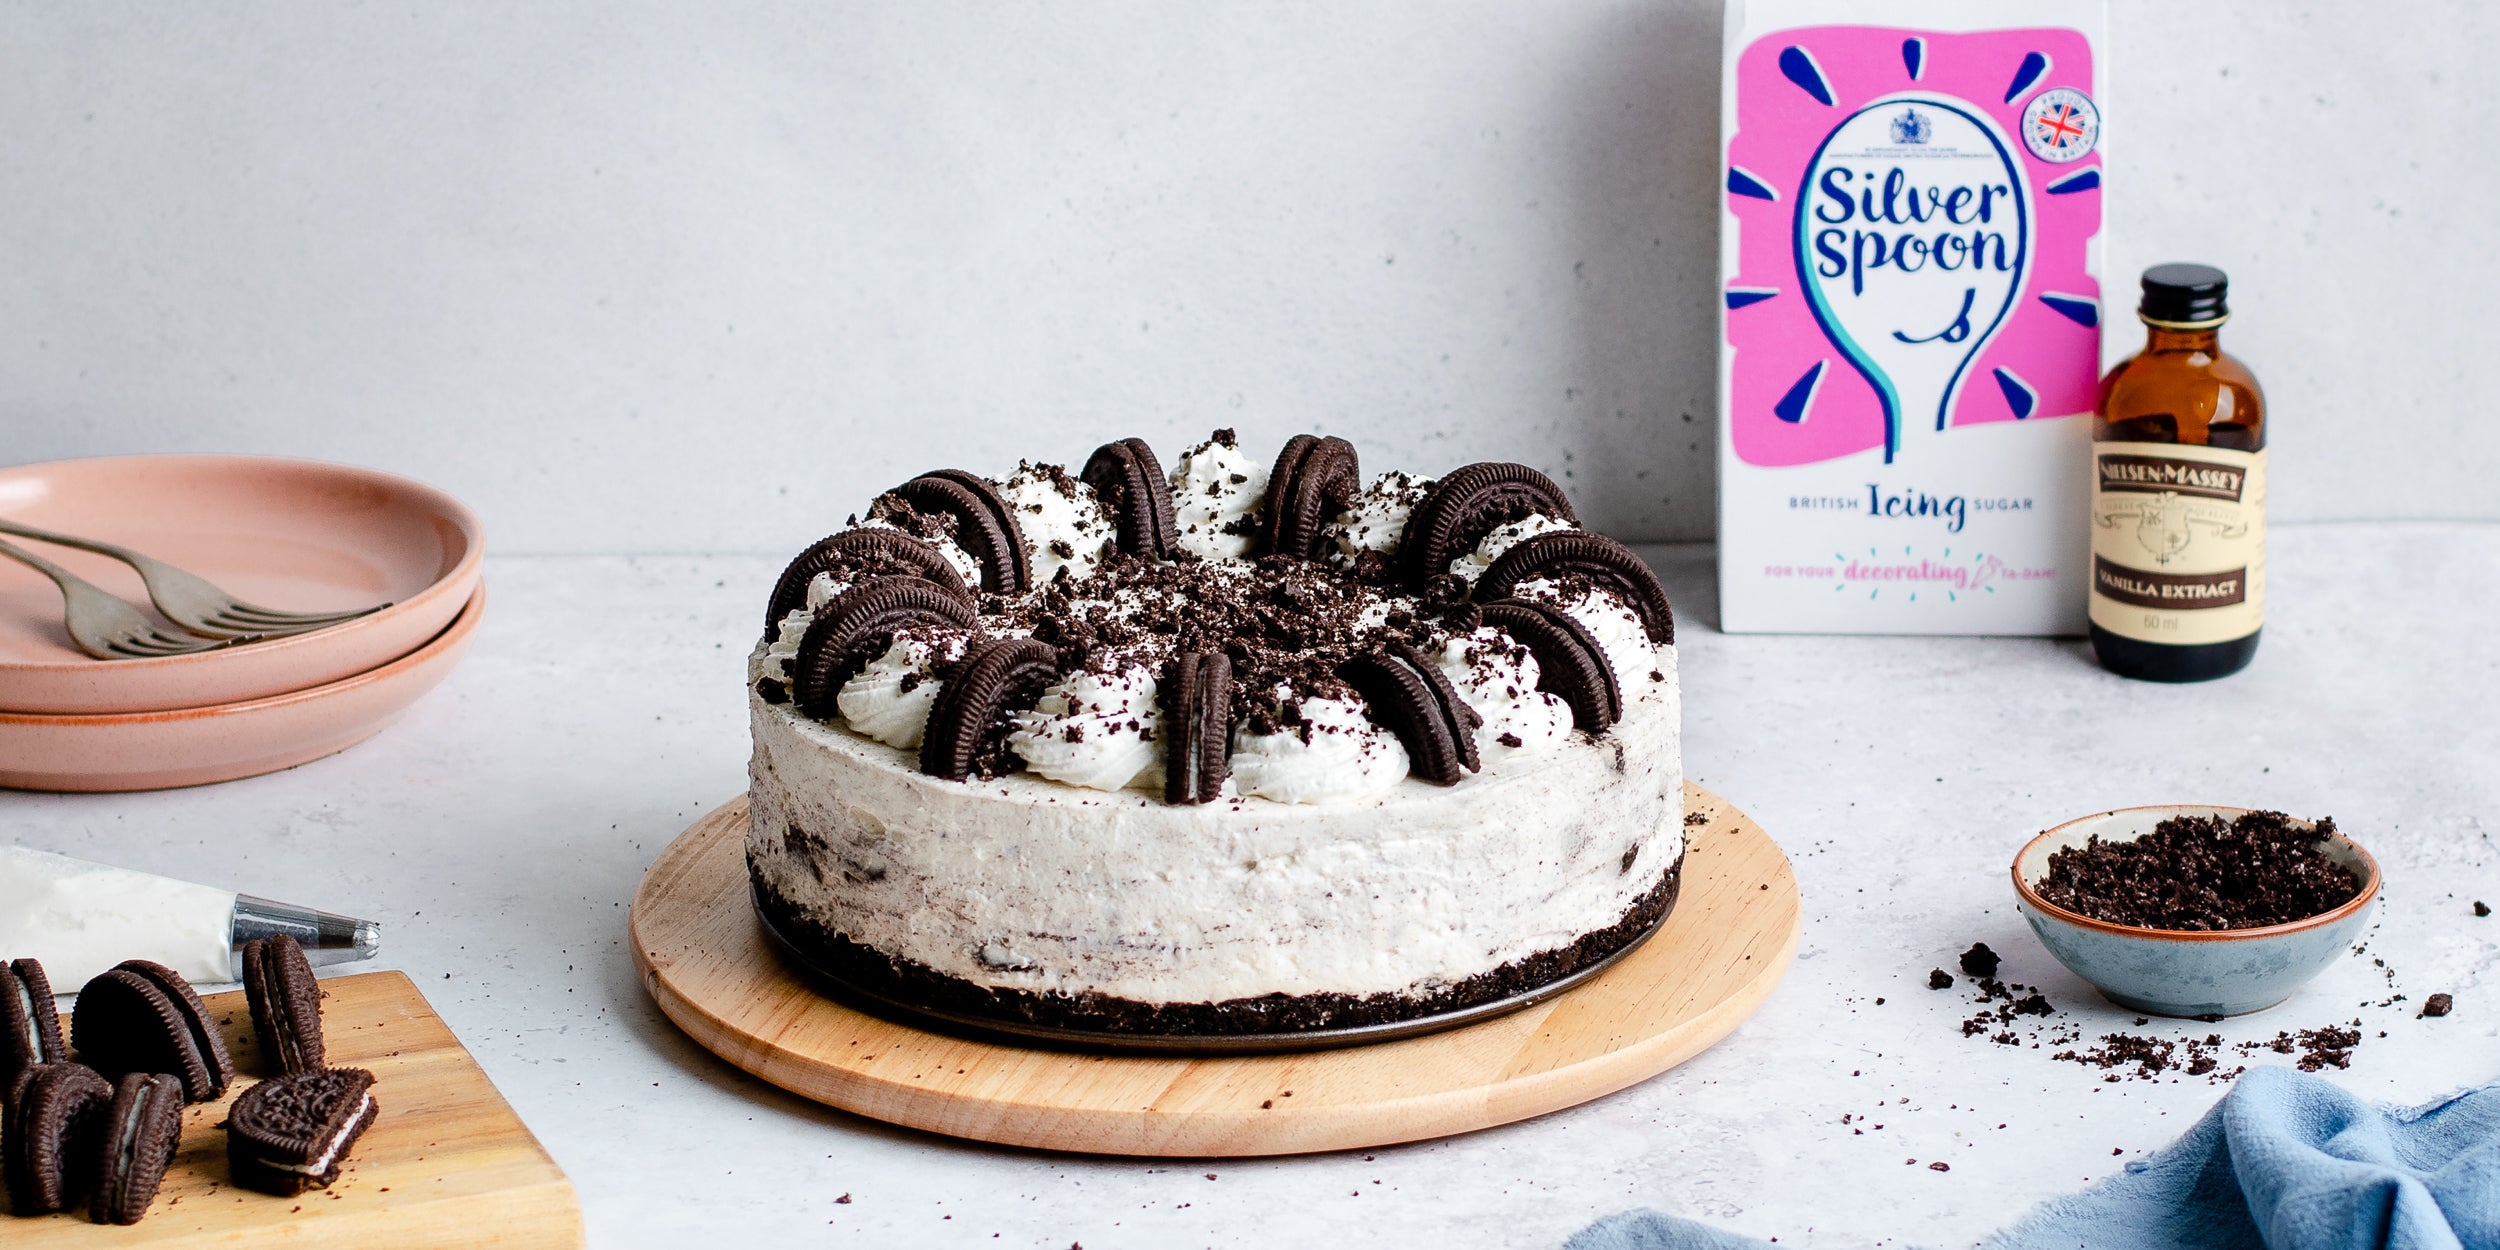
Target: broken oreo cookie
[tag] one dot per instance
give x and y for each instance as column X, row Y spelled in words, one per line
column 1469, row 503
column 984, row 524
column 856, row 626
column 143, row 1017
column 1197, row 727
column 1412, row 698
column 968, row 723
column 1569, row 661
column 1315, row 478
column 1594, row 557
column 1129, row 481
column 292, row 1133
column 134, row 1144
column 30, row 1030
column 286, row 1004
column 875, row 550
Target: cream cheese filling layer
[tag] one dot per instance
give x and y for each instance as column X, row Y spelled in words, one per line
column 1026, row 883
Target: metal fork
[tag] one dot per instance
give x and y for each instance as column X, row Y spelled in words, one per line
column 191, row 601
column 104, row 626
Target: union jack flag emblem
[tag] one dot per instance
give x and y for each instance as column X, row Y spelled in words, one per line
column 2061, row 125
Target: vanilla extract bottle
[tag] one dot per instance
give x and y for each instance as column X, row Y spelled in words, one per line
column 2179, row 492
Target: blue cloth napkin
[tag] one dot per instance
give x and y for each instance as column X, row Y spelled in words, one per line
column 2284, row 1162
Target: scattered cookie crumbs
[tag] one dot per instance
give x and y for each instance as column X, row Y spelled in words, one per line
column 1979, row 961
column 2437, row 1005
column 1939, row 979
column 1940, row 1166
column 844, row 1200
column 2481, row 908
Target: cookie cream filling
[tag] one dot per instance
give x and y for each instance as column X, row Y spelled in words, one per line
column 1498, row 678
column 1101, row 731
column 320, row 1164
column 1332, row 754
column 1064, row 526
column 1472, row 565
column 890, row 699
column 1215, row 488
column 1376, row 519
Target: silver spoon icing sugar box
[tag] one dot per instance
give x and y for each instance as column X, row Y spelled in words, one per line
column 81, row 918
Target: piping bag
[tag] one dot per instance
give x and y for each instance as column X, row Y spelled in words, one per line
column 81, row 918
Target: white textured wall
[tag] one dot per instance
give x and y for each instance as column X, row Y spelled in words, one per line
column 638, row 277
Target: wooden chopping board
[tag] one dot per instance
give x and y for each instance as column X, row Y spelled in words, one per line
column 446, row 1163
column 705, row 960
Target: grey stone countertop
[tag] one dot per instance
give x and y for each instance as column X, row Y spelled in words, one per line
column 500, row 828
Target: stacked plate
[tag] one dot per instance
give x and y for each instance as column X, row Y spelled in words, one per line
column 288, row 534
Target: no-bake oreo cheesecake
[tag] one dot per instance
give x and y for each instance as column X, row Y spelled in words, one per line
column 1251, row 746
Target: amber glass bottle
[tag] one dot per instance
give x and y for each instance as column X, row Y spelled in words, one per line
column 2179, row 492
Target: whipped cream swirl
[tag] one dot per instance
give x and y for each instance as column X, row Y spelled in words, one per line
column 1101, row 731
column 1611, row 621
column 1472, row 565
column 1375, row 520
column 1333, row 755
column 1498, row 677
column 1215, row 488
column 774, row 660
column 890, row 699
column 1065, row 526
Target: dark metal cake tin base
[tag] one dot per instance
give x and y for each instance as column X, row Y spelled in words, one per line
column 840, row 984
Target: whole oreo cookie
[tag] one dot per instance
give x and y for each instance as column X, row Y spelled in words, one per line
column 1569, row 661
column 48, row 1151
column 1128, row 479
column 1414, row 699
column 968, row 723
column 1469, row 503
column 1594, row 557
column 1197, row 727
column 856, row 626
column 135, row 1143
column 877, row 551
column 143, row 1017
column 984, row 524
column 286, row 1004
column 1314, row 479
column 30, row 1030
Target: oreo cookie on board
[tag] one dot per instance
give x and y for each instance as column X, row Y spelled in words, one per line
column 134, row 1143
column 286, row 1004
column 30, row 1029
column 293, row 1133
column 143, row 1017
column 1466, row 504
column 48, row 1147
column 1411, row 697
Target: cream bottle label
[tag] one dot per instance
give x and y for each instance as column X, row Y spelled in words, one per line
column 2178, row 542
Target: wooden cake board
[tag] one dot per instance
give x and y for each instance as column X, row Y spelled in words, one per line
column 446, row 1163
column 704, row 958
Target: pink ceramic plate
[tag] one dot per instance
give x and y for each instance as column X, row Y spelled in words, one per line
column 295, row 535
column 160, row 750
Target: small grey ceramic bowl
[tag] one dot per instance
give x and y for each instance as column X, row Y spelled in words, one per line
column 2172, row 972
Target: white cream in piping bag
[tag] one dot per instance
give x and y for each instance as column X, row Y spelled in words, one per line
column 80, row 919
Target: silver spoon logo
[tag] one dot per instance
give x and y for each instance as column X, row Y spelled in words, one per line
column 1913, row 234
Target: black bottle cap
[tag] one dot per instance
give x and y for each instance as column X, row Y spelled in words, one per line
column 2185, row 297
